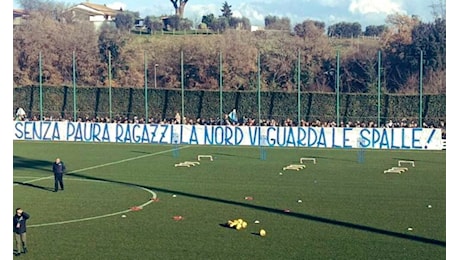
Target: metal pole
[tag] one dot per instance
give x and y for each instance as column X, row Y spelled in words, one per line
column 145, row 90
column 182, row 83
column 258, row 86
column 337, row 87
column 155, row 74
column 379, row 89
column 74, row 87
column 220, row 87
column 298, row 89
column 110, row 86
column 421, row 90
column 40, row 84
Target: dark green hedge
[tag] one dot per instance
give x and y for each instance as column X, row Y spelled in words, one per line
column 162, row 104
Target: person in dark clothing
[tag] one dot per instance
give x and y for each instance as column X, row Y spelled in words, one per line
column 58, row 170
column 19, row 229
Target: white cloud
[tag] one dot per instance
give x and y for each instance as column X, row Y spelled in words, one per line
column 375, row 7
column 202, row 10
column 331, row 3
column 250, row 12
column 117, row 5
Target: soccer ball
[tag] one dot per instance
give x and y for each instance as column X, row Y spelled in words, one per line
column 262, row 232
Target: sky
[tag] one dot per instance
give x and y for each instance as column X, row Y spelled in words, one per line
column 366, row 12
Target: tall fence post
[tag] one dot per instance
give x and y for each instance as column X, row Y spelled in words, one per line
column 74, row 87
column 298, row 89
column 337, row 88
column 421, row 90
column 110, row 85
column 40, row 84
column 146, row 104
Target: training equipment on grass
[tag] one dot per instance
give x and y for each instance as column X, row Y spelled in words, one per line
column 177, row 218
column 308, row 159
column 296, row 167
column 400, row 162
column 262, row 232
column 398, row 170
column 186, row 164
column 237, row 224
column 202, row 156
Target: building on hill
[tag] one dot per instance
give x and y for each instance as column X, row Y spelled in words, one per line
column 18, row 16
column 95, row 13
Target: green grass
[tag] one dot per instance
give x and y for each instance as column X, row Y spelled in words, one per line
column 348, row 211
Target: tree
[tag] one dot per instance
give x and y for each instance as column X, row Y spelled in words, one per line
column 153, row 23
column 46, row 8
column 125, row 20
column 208, row 20
column 345, row 30
column 56, row 41
column 309, row 29
column 226, row 10
column 276, row 23
column 179, row 7
column 374, row 30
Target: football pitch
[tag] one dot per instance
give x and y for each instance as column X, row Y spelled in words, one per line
column 336, row 208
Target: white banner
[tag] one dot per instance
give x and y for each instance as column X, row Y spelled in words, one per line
column 321, row 137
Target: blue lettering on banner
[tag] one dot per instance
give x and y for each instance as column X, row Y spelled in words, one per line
column 228, row 136
column 254, row 134
column 364, row 135
column 416, row 141
column 271, row 141
column 219, row 135
column 322, row 138
column 315, row 137
column 154, row 133
column 238, row 136
column 312, row 137
column 334, row 145
column 301, row 134
column 43, row 130
column 290, row 139
column 163, row 134
column 281, row 139
column 118, row 133
column 209, row 135
column 385, row 143
column 193, row 136
column 346, row 130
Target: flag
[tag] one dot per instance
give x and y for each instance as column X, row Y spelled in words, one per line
column 232, row 116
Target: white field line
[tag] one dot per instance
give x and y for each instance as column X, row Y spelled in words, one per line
column 154, row 195
column 105, row 164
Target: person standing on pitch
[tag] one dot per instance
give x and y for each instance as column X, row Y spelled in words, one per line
column 58, row 170
column 19, row 229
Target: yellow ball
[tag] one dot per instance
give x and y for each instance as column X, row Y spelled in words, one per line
column 239, row 226
column 262, row 232
column 244, row 224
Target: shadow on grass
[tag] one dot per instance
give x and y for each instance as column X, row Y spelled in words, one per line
column 25, row 163
column 141, row 152
column 279, row 211
column 33, row 186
